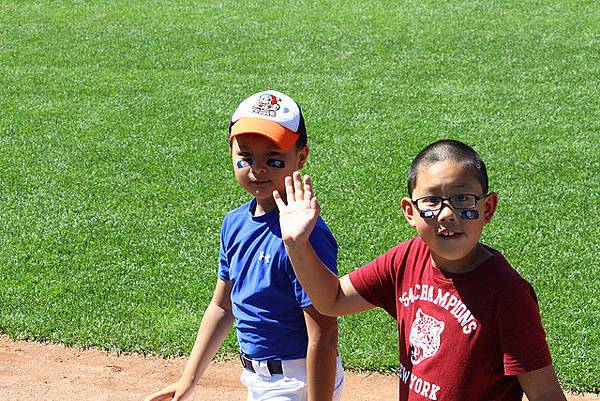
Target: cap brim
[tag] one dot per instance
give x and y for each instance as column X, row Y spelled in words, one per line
column 280, row 135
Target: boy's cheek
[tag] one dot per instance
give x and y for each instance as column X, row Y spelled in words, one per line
column 410, row 221
column 469, row 214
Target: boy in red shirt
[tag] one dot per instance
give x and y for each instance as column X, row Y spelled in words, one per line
column 469, row 325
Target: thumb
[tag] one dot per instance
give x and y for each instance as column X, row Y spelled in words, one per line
column 180, row 396
column 278, row 201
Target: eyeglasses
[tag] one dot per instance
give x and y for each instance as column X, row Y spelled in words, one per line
column 430, row 206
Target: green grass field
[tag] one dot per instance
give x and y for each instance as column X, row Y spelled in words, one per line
column 115, row 173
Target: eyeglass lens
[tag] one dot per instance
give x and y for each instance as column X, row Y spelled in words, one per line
column 461, row 201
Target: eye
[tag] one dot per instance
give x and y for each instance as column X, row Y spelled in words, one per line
column 275, row 163
column 244, row 163
column 429, row 201
column 463, row 201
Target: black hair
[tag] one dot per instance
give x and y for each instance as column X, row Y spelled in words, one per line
column 302, row 140
column 448, row 149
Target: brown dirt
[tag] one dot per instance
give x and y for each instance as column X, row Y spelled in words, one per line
column 32, row 371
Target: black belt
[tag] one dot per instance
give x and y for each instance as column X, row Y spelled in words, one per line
column 273, row 365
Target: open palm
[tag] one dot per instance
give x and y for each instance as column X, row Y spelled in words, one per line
column 298, row 217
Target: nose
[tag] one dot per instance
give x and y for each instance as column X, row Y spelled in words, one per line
column 259, row 167
column 446, row 213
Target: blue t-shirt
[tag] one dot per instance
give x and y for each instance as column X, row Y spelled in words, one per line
column 267, row 298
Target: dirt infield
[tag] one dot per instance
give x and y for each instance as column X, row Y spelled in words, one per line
column 32, row 371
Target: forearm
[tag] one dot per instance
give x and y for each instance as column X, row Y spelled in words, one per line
column 321, row 285
column 321, row 362
column 297, row 219
column 542, row 385
column 213, row 330
column 553, row 396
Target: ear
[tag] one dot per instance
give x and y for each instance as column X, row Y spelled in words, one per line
column 490, row 203
column 302, row 156
column 409, row 210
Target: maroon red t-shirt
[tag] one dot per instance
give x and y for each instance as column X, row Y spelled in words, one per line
column 461, row 336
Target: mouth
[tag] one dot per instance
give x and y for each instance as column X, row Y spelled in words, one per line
column 259, row 183
column 449, row 234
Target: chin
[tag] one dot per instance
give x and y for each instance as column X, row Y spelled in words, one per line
column 451, row 256
column 260, row 194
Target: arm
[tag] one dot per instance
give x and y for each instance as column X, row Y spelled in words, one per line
column 541, row 385
column 321, row 357
column 215, row 325
column 330, row 295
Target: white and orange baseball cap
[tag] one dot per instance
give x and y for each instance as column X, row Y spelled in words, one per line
column 271, row 114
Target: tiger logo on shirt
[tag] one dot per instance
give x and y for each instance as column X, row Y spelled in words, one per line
column 424, row 337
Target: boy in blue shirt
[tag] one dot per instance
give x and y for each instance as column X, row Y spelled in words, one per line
column 287, row 348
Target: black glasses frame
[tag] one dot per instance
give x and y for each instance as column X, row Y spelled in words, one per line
column 435, row 212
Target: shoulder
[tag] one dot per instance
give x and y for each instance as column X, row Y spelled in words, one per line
column 403, row 254
column 500, row 267
column 408, row 251
column 324, row 244
column 500, row 274
column 378, row 280
column 241, row 210
column 321, row 229
column 239, row 213
column 236, row 221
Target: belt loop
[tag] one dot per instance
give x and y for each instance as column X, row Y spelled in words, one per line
column 261, row 368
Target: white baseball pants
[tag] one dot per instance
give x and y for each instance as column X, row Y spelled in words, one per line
column 289, row 386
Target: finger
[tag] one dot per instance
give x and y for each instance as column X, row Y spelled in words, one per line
column 167, row 396
column 160, row 397
column 308, row 191
column 153, row 397
column 298, row 193
column 314, row 204
column 289, row 189
column 278, row 201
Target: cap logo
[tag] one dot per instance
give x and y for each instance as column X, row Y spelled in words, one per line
column 267, row 105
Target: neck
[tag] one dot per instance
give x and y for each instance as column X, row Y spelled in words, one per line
column 472, row 261
column 264, row 206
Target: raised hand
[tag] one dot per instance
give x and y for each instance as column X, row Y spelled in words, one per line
column 297, row 216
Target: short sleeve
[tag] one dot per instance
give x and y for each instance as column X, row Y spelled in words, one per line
column 376, row 281
column 326, row 248
column 223, row 262
column 522, row 337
